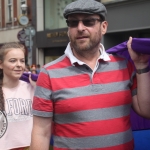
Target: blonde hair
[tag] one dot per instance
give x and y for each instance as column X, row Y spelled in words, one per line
column 6, row 47
column 3, row 51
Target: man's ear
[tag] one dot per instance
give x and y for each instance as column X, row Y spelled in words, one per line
column 104, row 26
column 0, row 64
column 68, row 33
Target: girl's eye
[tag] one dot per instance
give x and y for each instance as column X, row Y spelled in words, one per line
column 22, row 61
column 12, row 60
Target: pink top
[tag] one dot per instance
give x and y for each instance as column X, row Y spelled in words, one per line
column 18, row 106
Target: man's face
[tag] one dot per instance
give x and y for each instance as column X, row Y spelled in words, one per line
column 85, row 35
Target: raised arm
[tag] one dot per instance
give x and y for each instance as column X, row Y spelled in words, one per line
column 41, row 133
column 141, row 101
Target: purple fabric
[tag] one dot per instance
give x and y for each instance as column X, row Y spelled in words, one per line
column 138, row 122
column 140, row 45
column 25, row 77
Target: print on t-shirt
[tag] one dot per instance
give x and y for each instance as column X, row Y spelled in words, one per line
column 18, row 109
column 3, row 123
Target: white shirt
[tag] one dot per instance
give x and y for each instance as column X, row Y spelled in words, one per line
column 73, row 59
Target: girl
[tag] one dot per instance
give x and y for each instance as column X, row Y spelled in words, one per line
column 15, row 99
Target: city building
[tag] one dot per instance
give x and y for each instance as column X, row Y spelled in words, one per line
column 125, row 17
column 13, row 20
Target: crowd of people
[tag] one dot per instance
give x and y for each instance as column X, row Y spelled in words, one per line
column 82, row 98
column 34, row 69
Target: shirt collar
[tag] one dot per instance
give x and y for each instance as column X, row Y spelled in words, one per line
column 73, row 59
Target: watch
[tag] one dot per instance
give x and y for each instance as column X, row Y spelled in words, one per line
column 140, row 71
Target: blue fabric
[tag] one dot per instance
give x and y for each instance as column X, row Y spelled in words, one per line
column 51, row 141
column 141, row 140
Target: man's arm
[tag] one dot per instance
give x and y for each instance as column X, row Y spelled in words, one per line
column 141, row 101
column 41, row 133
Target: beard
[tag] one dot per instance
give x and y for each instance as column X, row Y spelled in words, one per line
column 85, row 45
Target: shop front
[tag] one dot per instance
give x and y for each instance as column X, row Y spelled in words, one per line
column 53, row 43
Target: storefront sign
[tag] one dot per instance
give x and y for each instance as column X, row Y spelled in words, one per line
column 57, row 34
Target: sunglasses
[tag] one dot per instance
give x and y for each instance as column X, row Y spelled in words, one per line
column 86, row 22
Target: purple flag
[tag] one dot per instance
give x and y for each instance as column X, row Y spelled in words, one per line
column 140, row 45
column 25, row 77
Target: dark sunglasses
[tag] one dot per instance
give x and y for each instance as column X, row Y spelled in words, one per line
column 87, row 22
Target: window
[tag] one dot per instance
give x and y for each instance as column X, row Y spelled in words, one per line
column 10, row 11
column 54, row 13
column 23, row 2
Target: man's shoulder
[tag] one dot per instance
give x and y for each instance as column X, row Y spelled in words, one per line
column 61, row 62
column 117, row 57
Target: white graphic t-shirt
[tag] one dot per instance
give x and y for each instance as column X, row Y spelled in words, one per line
column 18, row 107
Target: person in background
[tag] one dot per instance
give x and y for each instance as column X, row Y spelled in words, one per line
column 38, row 68
column 33, row 69
column 88, row 93
column 27, row 69
column 15, row 99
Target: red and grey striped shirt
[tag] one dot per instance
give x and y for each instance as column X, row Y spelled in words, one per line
column 91, row 111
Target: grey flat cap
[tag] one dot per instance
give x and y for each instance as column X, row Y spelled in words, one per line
column 87, row 7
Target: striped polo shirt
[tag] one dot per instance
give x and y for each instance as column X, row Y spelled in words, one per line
column 90, row 109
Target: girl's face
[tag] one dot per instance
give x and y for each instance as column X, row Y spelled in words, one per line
column 14, row 64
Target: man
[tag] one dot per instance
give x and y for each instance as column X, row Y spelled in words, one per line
column 38, row 68
column 86, row 93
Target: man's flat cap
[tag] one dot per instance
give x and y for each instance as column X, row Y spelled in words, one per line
column 87, row 7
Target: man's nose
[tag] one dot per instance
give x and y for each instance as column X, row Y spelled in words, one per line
column 81, row 26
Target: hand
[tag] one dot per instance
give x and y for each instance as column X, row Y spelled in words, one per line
column 33, row 83
column 140, row 60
